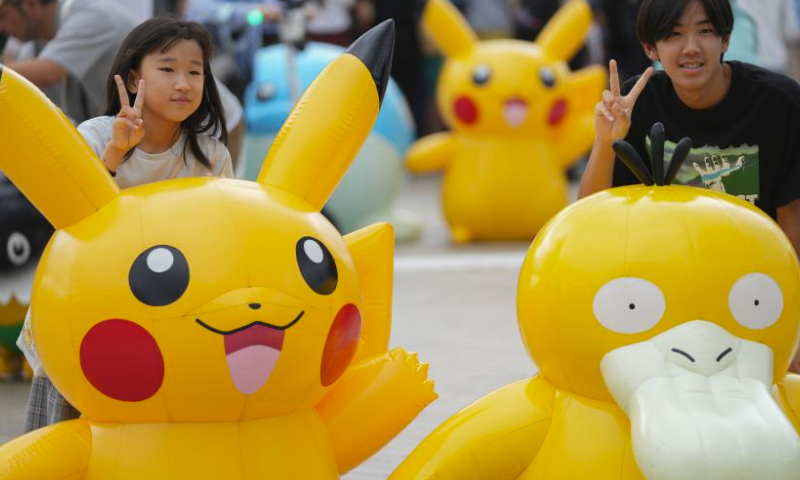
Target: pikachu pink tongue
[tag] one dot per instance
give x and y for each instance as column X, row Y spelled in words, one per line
column 252, row 354
column 515, row 112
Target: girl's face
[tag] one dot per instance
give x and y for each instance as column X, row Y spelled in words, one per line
column 173, row 81
column 691, row 52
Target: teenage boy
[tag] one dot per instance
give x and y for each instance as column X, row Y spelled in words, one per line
column 744, row 121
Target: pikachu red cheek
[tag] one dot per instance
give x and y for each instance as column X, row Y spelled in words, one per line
column 122, row 360
column 341, row 345
column 557, row 112
column 465, row 110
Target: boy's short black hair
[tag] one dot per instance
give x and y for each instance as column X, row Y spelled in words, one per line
column 657, row 18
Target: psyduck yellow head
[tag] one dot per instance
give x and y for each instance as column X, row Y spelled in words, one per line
column 509, row 87
column 679, row 304
column 203, row 299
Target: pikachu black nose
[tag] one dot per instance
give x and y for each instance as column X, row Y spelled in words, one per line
column 254, row 306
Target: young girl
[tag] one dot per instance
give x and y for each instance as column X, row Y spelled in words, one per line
column 164, row 112
column 164, row 120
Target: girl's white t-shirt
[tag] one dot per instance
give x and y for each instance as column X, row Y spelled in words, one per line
column 142, row 167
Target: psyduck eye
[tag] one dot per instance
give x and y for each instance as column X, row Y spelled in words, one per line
column 756, row 301
column 629, row 305
column 547, row 77
column 317, row 265
column 159, row 276
column 18, row 249
column 481, row 75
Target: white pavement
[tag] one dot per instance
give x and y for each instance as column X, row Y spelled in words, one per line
column 455, row 305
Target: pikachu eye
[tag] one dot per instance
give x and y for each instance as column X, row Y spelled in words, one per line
column 18, row 249
column 547, row 76
column 317, row 265
column 159, row 276
column 481, row 75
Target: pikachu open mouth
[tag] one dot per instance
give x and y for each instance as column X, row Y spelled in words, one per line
column 515, row 112
column 252, row 352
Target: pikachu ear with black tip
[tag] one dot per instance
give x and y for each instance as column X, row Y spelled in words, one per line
column 448, row 28
column 565, row 32
column 331, row 120
column 46, row 157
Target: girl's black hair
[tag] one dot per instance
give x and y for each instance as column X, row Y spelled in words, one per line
column 160, row 34
column 657, row 18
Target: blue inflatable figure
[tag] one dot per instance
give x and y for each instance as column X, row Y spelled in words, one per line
column 281, row 73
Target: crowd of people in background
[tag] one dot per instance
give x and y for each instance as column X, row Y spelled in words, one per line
column 62, row 49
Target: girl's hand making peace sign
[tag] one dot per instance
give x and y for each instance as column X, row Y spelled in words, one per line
column 128, row 127
column 612, row 118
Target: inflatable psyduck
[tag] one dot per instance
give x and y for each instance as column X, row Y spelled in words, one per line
column 518, row 117
column 662, row 319
column 213, row 328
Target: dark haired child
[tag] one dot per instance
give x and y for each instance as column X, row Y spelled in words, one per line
column 164, row 112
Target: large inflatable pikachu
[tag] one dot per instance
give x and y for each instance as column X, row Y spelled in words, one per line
column 663, row 319
column 518, row 118
column 213, row 328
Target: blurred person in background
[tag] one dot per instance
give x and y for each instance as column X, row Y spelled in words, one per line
column 71, row 46
column 331, row 21
column 239, row 30
column 777, row 31
column 618, row 21
column 408, row 58
column 528, row 17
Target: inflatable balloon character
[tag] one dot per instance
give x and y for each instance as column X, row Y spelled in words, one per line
column 213, row 328
column 662, row 319
column 23, row 235
column 518, row 117
column 368, row 191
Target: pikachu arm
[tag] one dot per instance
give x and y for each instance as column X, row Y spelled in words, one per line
column 430, row 153
column 56, row 452
column 789, row 395
column 495, row 438
column 575, row 137
column 372, row 402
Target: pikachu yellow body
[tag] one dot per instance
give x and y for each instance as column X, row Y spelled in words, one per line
column 518, row 117
column 662, row 320
column 213, row 328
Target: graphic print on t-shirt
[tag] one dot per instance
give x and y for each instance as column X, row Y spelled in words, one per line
column 732, row 170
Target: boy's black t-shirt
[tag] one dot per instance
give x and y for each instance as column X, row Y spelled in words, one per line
column 748, row 145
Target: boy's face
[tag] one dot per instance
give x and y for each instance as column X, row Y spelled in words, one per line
column 691, row 52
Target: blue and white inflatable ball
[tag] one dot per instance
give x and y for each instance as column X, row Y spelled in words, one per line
column 368, row 190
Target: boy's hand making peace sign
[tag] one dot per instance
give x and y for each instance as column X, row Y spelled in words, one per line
column 612, row 118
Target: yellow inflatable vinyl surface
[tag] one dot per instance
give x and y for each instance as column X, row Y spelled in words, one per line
column 518, row 117
column 213, row 328
column 662, row 319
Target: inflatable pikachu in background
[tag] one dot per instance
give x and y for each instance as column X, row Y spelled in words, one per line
column 518, row 117
column 213, row 328
column 662, row 319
